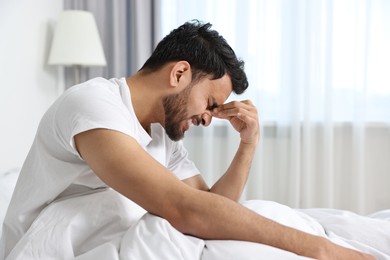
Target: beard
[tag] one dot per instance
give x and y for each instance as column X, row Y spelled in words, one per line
column 175, row 108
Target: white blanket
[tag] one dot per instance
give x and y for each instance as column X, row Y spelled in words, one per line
column 105, row 225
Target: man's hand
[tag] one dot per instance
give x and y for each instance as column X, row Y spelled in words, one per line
column 337, row 252
column 243, row 117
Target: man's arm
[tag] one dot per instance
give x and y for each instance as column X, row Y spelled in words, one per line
column 121, row 163
column 244, row 118
column 232, row 183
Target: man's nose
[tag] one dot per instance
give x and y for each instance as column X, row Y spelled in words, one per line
column 206, row 119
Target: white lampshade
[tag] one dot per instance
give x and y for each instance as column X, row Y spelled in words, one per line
column 76, row 41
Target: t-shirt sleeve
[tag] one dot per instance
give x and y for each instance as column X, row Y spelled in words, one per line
column 90, row 107
column 179, row 163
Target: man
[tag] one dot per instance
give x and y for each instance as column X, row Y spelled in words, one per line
column 114, row 133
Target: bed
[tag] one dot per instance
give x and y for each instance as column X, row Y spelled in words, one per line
column 102, row 224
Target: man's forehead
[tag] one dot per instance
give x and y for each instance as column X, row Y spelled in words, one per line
column 222, row 88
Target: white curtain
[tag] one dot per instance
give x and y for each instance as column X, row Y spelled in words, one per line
column 319, row 74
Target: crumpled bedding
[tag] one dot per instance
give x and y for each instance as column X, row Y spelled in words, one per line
column 105, row 225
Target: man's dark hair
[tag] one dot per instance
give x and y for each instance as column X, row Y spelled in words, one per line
column 204, row 49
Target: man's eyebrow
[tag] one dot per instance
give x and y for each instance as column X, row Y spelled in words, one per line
column 214, row 105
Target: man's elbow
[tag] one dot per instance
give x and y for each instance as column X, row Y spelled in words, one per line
column 187, row 217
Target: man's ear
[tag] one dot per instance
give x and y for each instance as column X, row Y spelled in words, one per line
column 180, row 75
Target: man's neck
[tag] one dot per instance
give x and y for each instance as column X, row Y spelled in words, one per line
column 146, row 99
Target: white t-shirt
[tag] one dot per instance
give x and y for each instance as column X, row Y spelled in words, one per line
column 53, row 168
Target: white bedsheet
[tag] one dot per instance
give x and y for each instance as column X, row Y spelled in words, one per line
column 105, row 225
column 7, row 184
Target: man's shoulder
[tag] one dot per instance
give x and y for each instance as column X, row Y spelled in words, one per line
column 93, row 89
column 94, row 84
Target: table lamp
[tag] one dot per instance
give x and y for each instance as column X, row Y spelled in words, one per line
column 76, row 42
